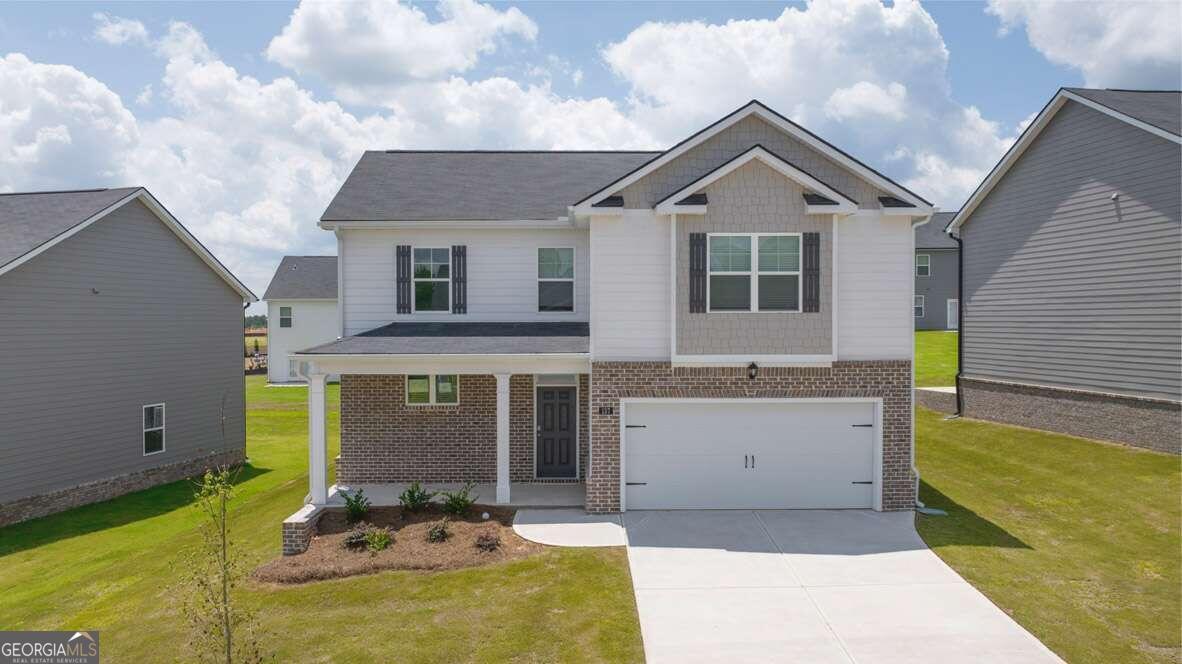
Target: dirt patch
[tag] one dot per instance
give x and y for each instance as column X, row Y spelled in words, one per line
column 326, row 557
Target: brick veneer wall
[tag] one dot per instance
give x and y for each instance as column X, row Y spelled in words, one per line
column 100, row 490
column 1148, row 423
column 889, row 380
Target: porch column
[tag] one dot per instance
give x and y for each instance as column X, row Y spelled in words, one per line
column 502, row 438
column 317, row 440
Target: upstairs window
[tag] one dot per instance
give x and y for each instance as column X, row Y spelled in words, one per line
column 284, row 316
column 433, row 389
column 153, row 429
column 769, row 283
column 432, row 279
column 918, row 306
column 923, row 265
column 556, row 279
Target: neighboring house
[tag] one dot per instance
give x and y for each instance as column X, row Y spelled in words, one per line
column 301, row 312
column 1073, row 272
column 721, row 325
column 937, row 283
column 122, row 340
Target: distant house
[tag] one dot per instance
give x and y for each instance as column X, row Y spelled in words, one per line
column 936, row 277
column 301, row 312
column 122, row 340
column 1073, row 272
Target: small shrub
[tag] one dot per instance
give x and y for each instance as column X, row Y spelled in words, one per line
column 356, row 538
column 356, row 506
column 377, row 539
column 488, row 542
column 459, row 502
column 415, row 498
column 438, row 531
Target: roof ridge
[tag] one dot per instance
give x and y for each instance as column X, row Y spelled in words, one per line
column 61, row 191
column 1164, row 91
column 400, row 151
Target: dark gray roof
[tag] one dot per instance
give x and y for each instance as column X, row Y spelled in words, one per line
column 892, row 202
column 817, row 199
column 1160, row 108
column 932, row 236
column 432, row 186
column 304, row 278
column 462, row 339
column 29, row 220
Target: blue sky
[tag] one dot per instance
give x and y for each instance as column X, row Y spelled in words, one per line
column 244, row 117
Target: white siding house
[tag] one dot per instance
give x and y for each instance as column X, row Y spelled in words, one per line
column 301, row 312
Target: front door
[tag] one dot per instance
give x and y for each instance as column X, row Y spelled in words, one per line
column 557, row 410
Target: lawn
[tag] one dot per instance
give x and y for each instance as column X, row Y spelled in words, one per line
column 111, row 567
column 935, row 358
column 1077, row 540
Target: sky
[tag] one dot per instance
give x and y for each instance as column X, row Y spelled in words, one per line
column 244, row 118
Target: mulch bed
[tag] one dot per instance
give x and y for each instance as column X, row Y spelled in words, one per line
column 326, row 558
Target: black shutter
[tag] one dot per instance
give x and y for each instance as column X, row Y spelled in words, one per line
column 697, row 273
column 402, row 283
column 459, row 279
column 811, row 264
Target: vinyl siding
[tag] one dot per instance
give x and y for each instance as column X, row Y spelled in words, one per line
column 314, row 322
column 937, row 288
column 874, row 280
column 502, row 274
column 1066, row 287
column 79, row 366
column 630, row 310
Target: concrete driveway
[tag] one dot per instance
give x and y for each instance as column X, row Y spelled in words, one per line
column 808, row 586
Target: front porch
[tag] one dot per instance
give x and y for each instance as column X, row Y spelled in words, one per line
column 521, row 494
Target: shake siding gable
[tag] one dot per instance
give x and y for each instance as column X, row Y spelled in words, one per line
column 120, row 315
column 1066, row 286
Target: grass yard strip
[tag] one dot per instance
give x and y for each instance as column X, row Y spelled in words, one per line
column 110, row 567
column 1077, row 540
column 935, row 358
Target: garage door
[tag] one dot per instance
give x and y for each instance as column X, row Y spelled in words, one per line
column 749, row 455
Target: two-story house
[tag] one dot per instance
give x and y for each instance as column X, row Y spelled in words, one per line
column 937, row 276
column 724, row 324
column 301, row 312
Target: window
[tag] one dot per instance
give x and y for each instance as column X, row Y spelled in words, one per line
column 556, row 279
column 432, row 279
column 284, row 316
column 772, row 283
column 153, row 429
column 918, row 306
column 923, row 265
column 427, row 390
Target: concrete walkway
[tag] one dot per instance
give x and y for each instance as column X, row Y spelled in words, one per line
column 808, row 586
column 569, row 527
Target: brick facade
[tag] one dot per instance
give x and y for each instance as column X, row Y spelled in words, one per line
column 889, row 380
column 100, row 490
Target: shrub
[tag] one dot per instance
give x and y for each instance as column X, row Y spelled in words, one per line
column 377, row 539
column 356, row 538
column 459, row 502
column 438, row 531
column 415, row 498
column 356, row 506
column 488, row 542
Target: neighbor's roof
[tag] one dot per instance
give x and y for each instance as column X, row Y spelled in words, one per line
column 304, row 278
column 1160, row 108
column 462, row 339
column 932, row 236
column 410, row 185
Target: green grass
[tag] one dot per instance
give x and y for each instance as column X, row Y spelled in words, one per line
column 111, row 567
column 1077, row 540
column 935, row 358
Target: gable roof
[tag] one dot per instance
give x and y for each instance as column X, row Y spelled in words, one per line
column 304, row 278
column 757, row 108
column 1144, row 109
column 932, row 236
column 414, row 185
column 33, row 222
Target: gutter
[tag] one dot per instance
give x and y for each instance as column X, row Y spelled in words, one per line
column 959, row 323
column 914, row 468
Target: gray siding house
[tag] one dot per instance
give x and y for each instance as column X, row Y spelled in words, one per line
column 1073, row 273
column 122, row 340
column 937, row 280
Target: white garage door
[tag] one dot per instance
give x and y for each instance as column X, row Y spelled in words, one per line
column 749, row 455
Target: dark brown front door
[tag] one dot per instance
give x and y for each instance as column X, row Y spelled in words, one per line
column 557, row 412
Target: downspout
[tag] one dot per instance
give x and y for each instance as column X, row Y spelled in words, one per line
column 914, row 468
column 245, row 458
column 960, row 304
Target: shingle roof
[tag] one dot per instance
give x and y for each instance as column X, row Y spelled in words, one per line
column 1160, row 108
column 304, row 278
column 462, row 339
column 932, row 236
column 433, row 186
column 29, row 220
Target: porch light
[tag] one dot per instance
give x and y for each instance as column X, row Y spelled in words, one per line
column 752, row 370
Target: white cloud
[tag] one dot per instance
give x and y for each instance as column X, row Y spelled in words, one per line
column 145, row 96
column 117, row 30
column 867, row 100
column 363, row 47
column 1114, row 44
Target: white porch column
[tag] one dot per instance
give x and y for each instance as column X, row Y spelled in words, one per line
column 317, row 440
column 502, row 438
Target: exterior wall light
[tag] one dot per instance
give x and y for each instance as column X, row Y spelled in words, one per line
column 752, row 370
